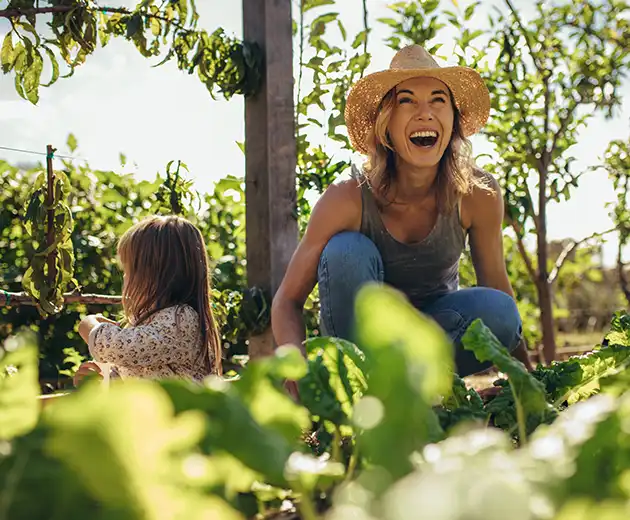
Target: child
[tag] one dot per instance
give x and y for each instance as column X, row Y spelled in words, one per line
column 171, row 331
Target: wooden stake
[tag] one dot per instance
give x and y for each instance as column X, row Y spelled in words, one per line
column 50, row 237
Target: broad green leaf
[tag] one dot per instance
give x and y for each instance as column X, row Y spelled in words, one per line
column 585, row 509
column 228, row 422
column 260, row 388
column 580, row 377
column 385, row 318
column 473, row 476
column 7, row 55
column 72, row 142
column 463, row 405
column 410, row 366
column 19, row 385
column 334, row 380
column 359, row 39
column 306, row 472
column 620, row 330
column 131, row 452
column 54, row 65
column 311, row 4
column 585, row 452
column 483, row 343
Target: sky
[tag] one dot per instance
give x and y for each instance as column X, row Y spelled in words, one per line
column 118, row 103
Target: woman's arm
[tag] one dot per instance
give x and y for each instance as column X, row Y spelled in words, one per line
column 338, row 209
column 485, row 210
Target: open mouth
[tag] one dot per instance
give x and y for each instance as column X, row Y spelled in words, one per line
column 424, row 138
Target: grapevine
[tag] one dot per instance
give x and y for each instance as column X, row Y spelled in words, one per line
column 52, row 265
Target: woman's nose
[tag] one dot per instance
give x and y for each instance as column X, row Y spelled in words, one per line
column 424, row 112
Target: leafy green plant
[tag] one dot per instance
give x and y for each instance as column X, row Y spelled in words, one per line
column 236, row 448
column 76, row 27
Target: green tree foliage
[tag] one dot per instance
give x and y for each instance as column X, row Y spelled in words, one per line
column 547, row 78
column 102, row 205
column 325, row 73
column 75, row 28
column 617, row 163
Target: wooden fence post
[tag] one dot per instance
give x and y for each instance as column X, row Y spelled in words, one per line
column 50, row 231
column 270, row 154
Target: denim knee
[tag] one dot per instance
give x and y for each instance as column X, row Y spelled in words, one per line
column 497, row 310
column 350, row 254
column 503, row 318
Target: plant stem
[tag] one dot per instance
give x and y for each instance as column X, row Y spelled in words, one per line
column 336, row 447
column 306, row 506
column 520, row 418
column 352, row 463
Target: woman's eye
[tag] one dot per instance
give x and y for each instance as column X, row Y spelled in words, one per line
column 404, row 100
column 440, row 100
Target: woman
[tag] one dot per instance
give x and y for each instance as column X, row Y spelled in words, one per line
column 405, row 219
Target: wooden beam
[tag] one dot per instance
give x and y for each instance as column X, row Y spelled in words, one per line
column 270, row 154
column 13, row 299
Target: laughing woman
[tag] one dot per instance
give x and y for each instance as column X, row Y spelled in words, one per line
column 405, row 218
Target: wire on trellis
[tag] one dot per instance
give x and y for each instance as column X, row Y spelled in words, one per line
column 10, row 299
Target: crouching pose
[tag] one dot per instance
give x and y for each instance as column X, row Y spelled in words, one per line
column 405, row 218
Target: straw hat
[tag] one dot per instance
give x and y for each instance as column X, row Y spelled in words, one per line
column 469, row 91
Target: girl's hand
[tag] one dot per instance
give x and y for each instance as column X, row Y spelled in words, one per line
column 102, row 319
column 91, row 321
column 88, row 368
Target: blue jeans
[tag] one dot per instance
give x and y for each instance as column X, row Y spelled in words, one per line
column 350, row 260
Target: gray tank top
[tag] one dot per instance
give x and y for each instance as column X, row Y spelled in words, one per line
column 423, row 270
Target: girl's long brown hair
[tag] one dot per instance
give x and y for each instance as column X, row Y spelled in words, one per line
column 166, row 264
column 457, row 174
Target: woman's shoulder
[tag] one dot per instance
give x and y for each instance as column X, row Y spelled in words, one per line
column 484, row 196
column 346, row 189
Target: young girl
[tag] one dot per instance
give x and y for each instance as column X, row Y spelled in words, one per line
column 170, row 331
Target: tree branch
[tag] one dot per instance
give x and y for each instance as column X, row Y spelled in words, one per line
column 9, row 299
column 525, row 35
column 16, row 12
column 564, row 123
column 563, row 256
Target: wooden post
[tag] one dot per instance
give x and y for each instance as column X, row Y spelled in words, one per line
column 50, row 232
column 270, row 154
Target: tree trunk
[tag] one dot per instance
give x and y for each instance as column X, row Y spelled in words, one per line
column 545, row 302
column 624, row 282
column 543, row 284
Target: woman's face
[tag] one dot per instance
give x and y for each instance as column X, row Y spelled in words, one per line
column 421, row 122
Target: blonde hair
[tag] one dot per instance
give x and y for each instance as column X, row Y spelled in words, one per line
column 166, row 264
column 457, row 173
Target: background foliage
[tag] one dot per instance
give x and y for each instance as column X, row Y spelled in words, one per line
column 103, row 204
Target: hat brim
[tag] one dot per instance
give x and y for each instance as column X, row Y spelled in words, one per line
column 469, row 91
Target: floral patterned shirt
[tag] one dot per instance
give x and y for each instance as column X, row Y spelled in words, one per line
column 167, row 344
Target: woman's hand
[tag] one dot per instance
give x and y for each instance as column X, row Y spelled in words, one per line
column 292, row 389
column 88, row 368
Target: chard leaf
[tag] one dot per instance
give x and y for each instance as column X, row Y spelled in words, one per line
column 486, row 347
